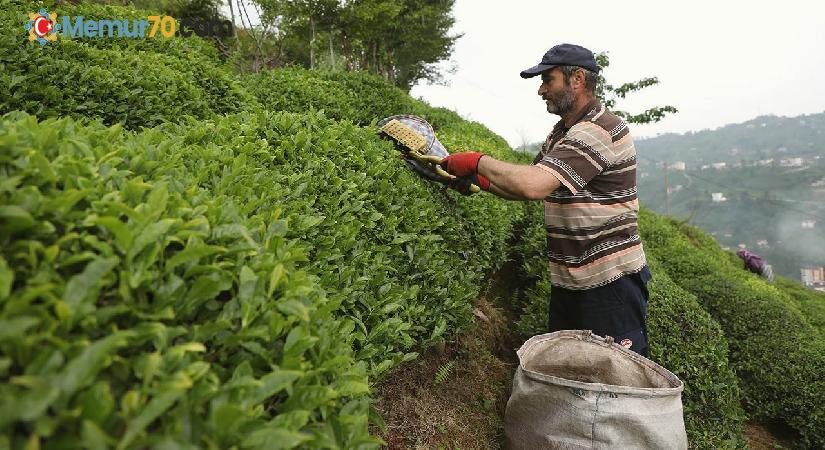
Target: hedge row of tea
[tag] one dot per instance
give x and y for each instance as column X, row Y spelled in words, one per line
column 684, row 338
column 135, row 82
column 775, row 352
column 810, row 303
column 232, row 282
column 360, row 99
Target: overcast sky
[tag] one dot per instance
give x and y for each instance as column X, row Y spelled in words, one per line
column 718, row 62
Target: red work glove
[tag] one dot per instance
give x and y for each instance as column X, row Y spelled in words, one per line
column 462, row 185
column 462, row 164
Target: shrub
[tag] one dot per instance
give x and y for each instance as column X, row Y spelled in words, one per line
column 689, row 343
column 137, row 83
column 183, row 270
column 810, row 303
column 144, row 305
column 774, row 351
column 360, row 97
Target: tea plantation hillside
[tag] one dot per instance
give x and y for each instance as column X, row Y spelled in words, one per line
column 775, row 334
column 195, row 258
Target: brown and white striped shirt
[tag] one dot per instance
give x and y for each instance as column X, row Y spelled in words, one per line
column 590, row 219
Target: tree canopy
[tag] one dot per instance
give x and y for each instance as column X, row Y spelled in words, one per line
column 400, row 40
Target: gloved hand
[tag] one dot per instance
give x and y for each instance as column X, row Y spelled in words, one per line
column 462, row 185
column 462, row 164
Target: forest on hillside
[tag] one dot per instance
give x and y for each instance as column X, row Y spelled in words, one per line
column 770, row 172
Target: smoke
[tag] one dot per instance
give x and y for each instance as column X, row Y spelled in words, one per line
column 804, row 244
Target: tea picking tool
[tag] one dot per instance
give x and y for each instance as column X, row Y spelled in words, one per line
column 414, row 137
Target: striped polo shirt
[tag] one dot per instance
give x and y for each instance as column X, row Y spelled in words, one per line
column 592, row 234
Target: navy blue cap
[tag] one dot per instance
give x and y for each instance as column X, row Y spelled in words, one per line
column 564, row 55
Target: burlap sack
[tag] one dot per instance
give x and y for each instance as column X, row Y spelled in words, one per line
column 576, row 390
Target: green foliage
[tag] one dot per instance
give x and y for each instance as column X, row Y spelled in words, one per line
column 811, row 303
column 356, row 96
column 444, row 371
column 134, row 82
column 361, row 98
column 686, row 340
column 148, row 293
column 531, row 253
column 237, row 275
column 401, row 41
column 774, row 351
column 140, row 245
column 610, row 95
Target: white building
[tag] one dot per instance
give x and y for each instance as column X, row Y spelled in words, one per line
column 808, row 224
column 765, row 162
column 678, row 165
column 718, row 197
column 792, row 162
column 719, row 165
column 811, row 275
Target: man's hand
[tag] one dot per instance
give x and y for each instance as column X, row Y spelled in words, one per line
column 462, row 164
column 462, row 185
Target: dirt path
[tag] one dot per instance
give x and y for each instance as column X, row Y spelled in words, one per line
column 454, row 396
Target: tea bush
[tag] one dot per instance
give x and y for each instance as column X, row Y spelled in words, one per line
column 239, row 274
column 811, row 303
column 356, row 96
column 686, row 340
column 144, row 305
column 775, row 352
column 134, row 82
column 188, row 237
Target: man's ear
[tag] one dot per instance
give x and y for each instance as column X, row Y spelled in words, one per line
column 578, row 78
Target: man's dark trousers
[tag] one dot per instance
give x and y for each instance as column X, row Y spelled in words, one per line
column 617, row 309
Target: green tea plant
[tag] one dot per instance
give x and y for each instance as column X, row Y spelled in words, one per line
column 142, row 305
column 201, row 229
column 135, row 82
column 811, row 303
column 775, row 352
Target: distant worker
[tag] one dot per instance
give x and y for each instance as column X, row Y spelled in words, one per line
column 756, row 264
column 586, row 175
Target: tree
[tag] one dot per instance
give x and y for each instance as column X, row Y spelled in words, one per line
column 400, row 40
column 304, row 18
column 609, row 95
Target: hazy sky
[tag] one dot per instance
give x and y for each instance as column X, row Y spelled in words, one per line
column 718, row 62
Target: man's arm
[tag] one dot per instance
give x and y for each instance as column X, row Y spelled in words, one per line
column 517, row 181
column 503, row 194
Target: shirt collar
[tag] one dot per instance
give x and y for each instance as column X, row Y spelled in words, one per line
column 590, row 106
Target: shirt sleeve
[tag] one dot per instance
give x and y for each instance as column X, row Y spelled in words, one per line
column 582, row 154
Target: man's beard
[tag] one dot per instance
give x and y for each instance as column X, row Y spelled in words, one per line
column 561, row 104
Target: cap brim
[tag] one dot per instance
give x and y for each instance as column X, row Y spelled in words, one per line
column 536, row 70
